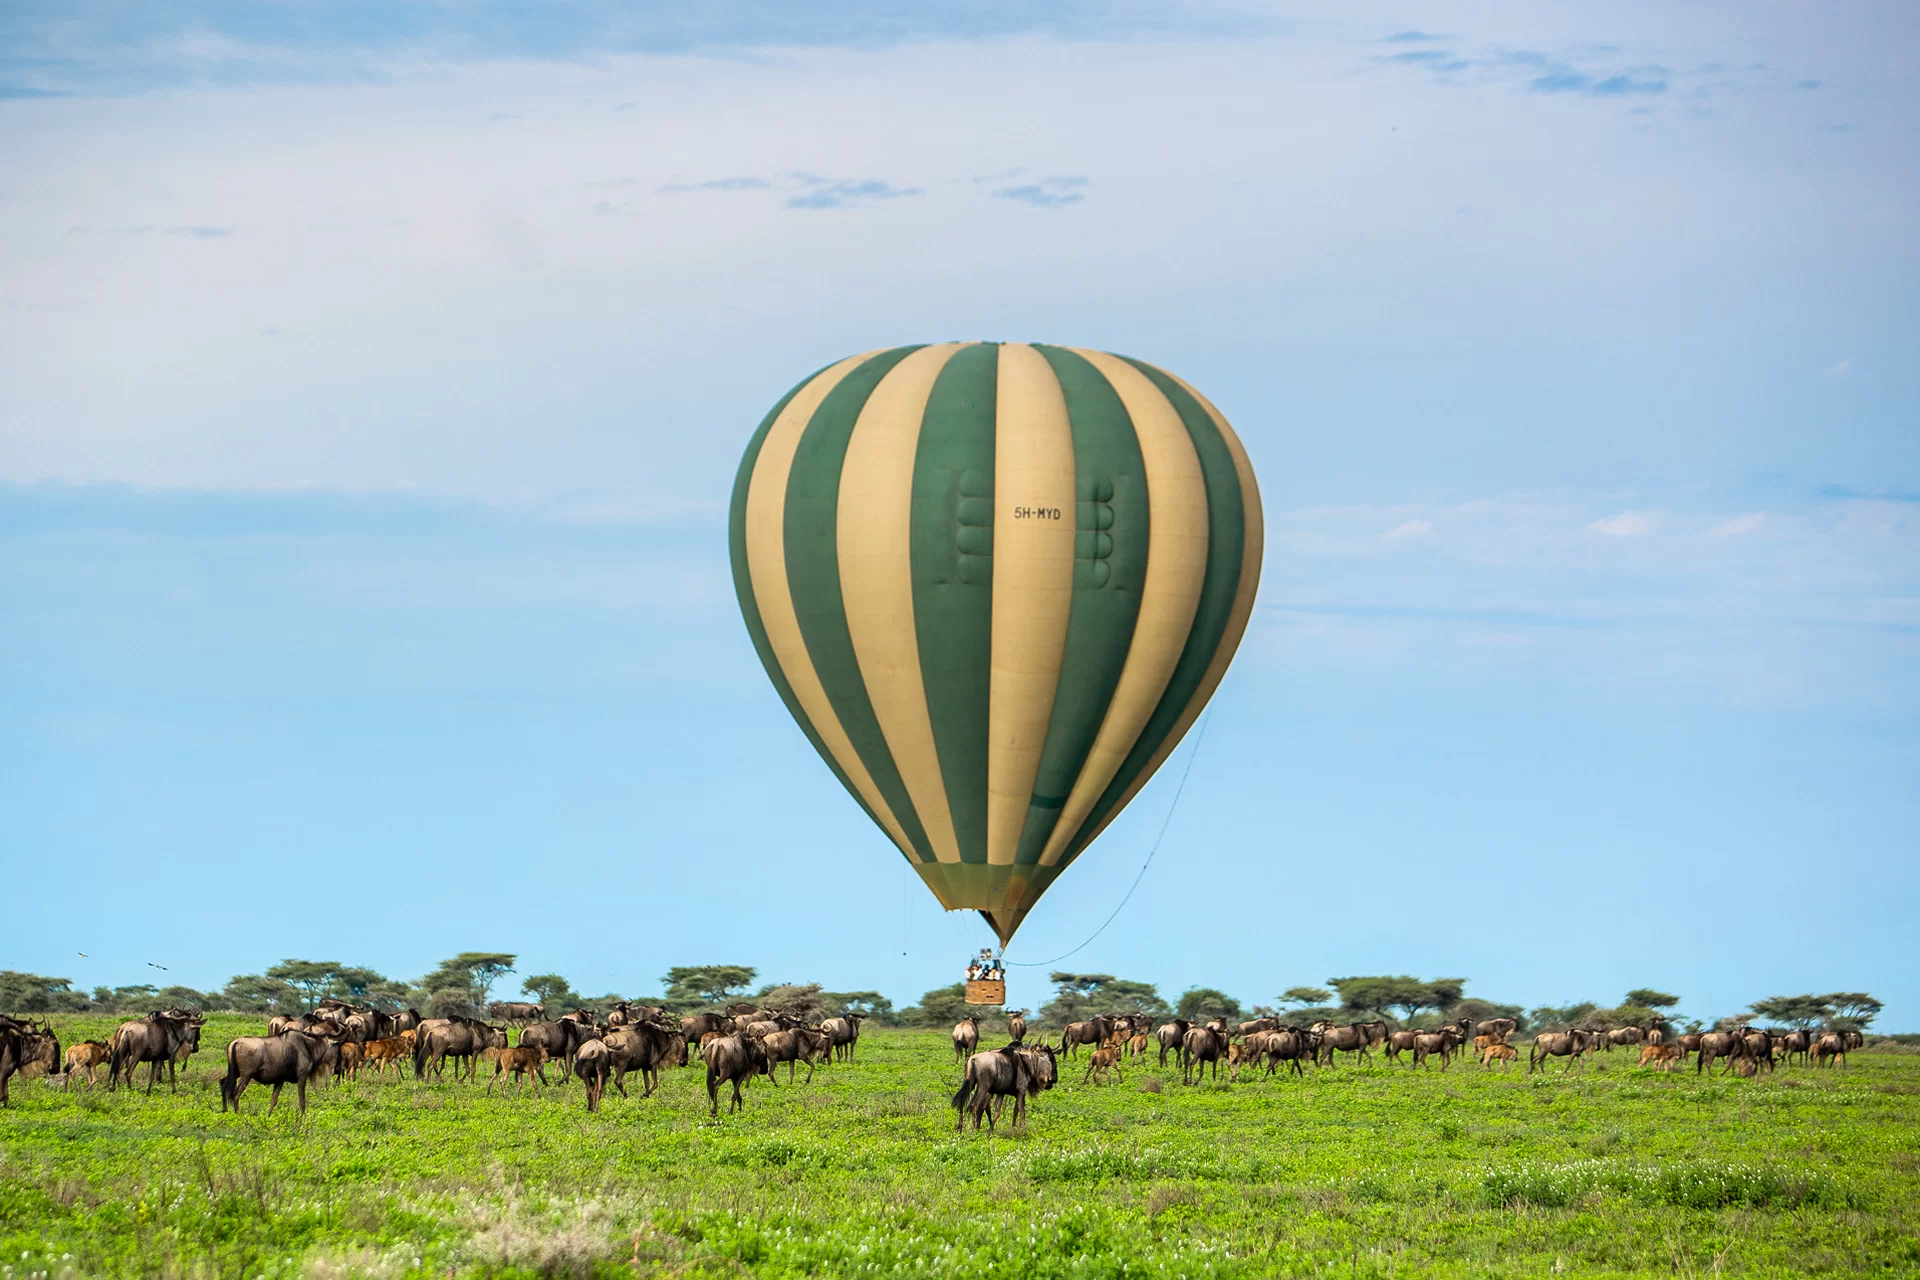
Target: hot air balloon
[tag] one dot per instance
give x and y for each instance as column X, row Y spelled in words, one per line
column 995, row 583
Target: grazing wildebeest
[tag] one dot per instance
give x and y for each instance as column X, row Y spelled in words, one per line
column 1203, row 1045
column 1828, row 1048
column 997, row 1073
column 1795, row 1041
column 292, row 1058
column 593, row 1063
column 462, row 1039
column 794, row 1046
column 1355, row 1037
column 39, row 1052
column 1102, row 1061
column 1719, row 1044
column 1759, row 1047
column 1557, row 1044
column 732, row 1059
column 644, row 1047
column 521, row 1062
column 1171, row 1036
column 152, row 1040
column 517, row 1011
column 1017, row 1026
column 966, row 1036
column 1093, row 1031
column 88, row 1056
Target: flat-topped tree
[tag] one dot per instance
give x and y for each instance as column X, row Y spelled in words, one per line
column 1648, row 998
column 695, row 985
column 470, row 972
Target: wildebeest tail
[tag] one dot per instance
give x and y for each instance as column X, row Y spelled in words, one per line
column 227, row 1081
column 419, row 1053
column 966, row 1091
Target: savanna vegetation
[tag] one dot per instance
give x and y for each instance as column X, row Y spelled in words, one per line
column 1603, row 1169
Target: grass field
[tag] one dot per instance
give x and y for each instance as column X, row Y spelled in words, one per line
column 1374, row 1171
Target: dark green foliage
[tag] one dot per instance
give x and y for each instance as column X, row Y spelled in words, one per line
column 871, row 1003
column 471, row 972
column 702, row 986
column 802, row 1000
column 1079, row 996
column 1198, row 1004
column 254, row 993
column 941, row 1007
column 1853, row 1010
column 1374, row 997
column 1560, row 1017
column 31, row 993
column 1651, row 999
column 1304, row 996
column 551, row 990
column 1484, row 1010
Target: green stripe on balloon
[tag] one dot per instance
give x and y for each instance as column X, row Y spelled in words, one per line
column 952, row 569
column 811, row 519
column 750, row 607
column 1226, row 545
column 1110, row 565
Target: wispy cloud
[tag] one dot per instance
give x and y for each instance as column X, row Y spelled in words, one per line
column 1048, row 193
column 1567, row 80
column 718, row 184
column 1408, row 37
column 1628, row 524
column 841, row 193
column 1751, row 523
column 1408, row 529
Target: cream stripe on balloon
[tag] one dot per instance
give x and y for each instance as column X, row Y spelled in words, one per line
column 1033, row 531
column 767, row 568
column 1176, row 568
column 1251, row 554
column 873, row 525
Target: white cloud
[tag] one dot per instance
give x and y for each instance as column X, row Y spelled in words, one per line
column 1840, row 370
column 1628, row 524
column 1733, row 528
column 1410, row 529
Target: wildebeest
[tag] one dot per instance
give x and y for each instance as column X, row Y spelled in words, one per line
column 695, row 1027
column 1499, row 1028
column 1171, row 1036
column 1624, row 1035
column 88, row 1056
column 1498, row 1051
column 1719, row 1044
column 39, row 1051
column 1795, row 1041
column 1093, row 1031
column 395, row 1049
column 517, row 1011
column 153, row 1039
column 732, row 1059
column 1666, row 1056
column 996, row 1073
column 966, row 1036
column 1355, row 1037
column 1290, row 1045
column 462, row 1039
column 593, row 1063
column 1399, row 1042
column 561, row 1040
column 13, row 1043
column 1101, row 1062
column 1017, row 1026
column 1557, row 1044
column 796, row 1045
column 520, row 1063
column 645, row 1047
column 405, row 1020
column 1203, row 1045
column 292, row 1058
column 845, row 1034
column 1829, row 1048
column 1759, row 1047
column 1428, row 1043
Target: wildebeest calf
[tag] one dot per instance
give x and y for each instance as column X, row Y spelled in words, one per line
column 521, row 1062
column 1104, row 1060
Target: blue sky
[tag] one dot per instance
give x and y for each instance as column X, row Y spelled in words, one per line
column 374, row 385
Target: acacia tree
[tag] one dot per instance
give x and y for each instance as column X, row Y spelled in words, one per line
column 1648, row 998
column 1795, row 1011
column 1853, row 1010
column 313, row 979
column 471, row 974
column 550, row 989
column 692, row 986
column 1305, row 997
column 1199, row 1004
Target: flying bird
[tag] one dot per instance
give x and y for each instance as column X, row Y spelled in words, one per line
column 151, row 965
column 81, row 954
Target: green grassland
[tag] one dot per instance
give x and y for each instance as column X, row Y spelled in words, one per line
column 1352, row 1171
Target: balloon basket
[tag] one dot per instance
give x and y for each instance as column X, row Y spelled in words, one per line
column 991, row 991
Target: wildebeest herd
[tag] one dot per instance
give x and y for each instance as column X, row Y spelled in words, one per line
column 339, row 1040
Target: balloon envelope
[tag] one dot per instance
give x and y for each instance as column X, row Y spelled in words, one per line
column 994, row 583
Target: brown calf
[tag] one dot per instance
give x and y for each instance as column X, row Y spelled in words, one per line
column 1666, row 1055
column 521, row 1062
column 1499, row 1051
column 88, row 1054
column 1105, row 1059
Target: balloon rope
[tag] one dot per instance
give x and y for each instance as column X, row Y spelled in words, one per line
column 1165, row 823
